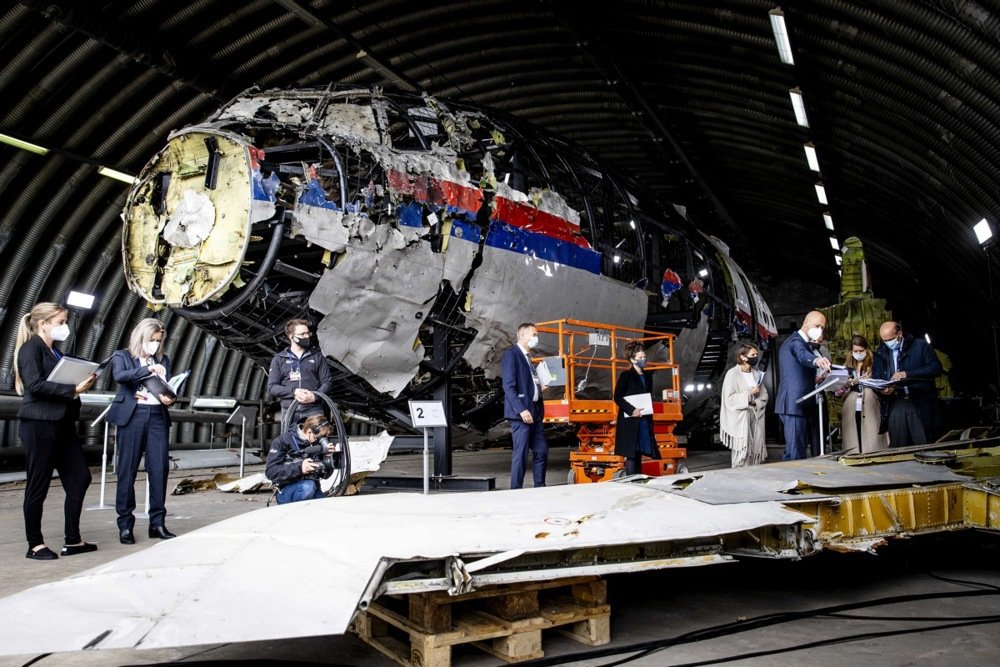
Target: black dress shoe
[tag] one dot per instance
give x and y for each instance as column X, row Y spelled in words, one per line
column 160, row 532
column 42, row 554
column 126, row 537
column 74, row 549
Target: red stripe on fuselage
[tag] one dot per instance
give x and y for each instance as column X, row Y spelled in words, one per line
column 536, row 220
column 424, row 188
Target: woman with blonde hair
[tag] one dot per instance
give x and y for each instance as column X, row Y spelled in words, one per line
column 861, row 412
column 48, row 416
column 143, row 426
column 744, row 397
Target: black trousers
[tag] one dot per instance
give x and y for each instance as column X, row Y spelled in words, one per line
column 53, row 445
column 145, row 434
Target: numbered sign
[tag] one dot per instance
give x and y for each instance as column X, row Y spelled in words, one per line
column 426, row 414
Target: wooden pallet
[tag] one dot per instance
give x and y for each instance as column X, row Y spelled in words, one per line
column 506, row 621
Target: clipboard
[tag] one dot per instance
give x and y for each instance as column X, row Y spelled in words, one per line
column 70, row 370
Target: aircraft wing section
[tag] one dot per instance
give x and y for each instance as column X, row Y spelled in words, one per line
column 313, row 561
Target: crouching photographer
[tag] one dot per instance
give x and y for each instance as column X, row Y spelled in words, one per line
column 299, row 458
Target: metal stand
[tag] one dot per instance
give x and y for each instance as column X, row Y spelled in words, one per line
column 830, row 384
column 145, row 513
column 240, row 416
column 104, row 461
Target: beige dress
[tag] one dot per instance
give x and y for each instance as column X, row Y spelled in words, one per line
column 741, row 424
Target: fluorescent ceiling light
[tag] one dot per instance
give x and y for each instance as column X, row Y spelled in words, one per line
column 828, row 219
column 703, row 273
column 799, row 107
column 117, row 175
column 927, row 337
column 23, row 145
column 983, row 231
column 821, row 193
column 811, row 156
column 80, row 300
column 781, row 36
column 208, row 402
column 834, row 244
column 689, row 388
column 838, row 259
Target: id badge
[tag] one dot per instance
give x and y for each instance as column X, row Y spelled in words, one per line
column 295, row 376
column 859, row 403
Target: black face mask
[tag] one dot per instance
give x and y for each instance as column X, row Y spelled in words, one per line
column 303, row 341
column 753, row 361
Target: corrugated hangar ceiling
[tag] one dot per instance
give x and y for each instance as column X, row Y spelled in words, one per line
column 691, row 99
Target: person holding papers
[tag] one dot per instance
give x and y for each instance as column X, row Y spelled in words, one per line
column 143, row 425
column 633, row 395
column 744, row 397
column 48, row 417
column 911, row 404
column 860, row 415
column 798, row 361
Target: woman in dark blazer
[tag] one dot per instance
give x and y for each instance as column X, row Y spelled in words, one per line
column 143, row 426
column 634, row 434
column 48, row 415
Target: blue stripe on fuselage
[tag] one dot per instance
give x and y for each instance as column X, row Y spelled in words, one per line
column 515, row 239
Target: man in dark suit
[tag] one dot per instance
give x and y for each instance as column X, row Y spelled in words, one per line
column 523, row 408
column 798, row 359
column 911, row 406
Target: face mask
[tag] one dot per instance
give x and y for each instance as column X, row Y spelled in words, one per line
column 640, row 363
column 533, row 342
column 60, row 332
column 892, row 344
column 859, row 356
column 151, row 346
column 815, row 333
column 303, row 341
column 753, row 361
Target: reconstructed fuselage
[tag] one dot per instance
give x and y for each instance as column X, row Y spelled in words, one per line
column 393, row 218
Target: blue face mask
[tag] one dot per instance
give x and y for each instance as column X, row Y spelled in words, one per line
column 892, row 344
column 640, row 363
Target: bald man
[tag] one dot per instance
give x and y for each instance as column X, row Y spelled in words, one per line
column 798, row 360
column 911, row 406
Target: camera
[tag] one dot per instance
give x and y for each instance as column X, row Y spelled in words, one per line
column 317, row 454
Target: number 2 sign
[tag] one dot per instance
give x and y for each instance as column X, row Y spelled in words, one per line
column 427, row 414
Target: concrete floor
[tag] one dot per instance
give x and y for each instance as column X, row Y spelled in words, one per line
column 661, row 609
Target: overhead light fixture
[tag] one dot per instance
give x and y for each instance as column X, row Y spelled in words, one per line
column 927, row 337
column 811, row 156
column 80, row 300
column 838, row 259
column 701, row 387
column 781, row 36
column 821, row 193
column 618, row 259
column 983, row 231
column 211, row 402
column 631, row 223
column 799, row 107
column 117, row 175
column 689, row 388
column 23, row 145
column 828, row 220
column 834, row 243
column 703, row 272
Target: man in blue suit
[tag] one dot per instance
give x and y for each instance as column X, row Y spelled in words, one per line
column 798, row 359
column 523, row 407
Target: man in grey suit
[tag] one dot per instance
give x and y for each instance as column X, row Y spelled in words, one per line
column 798, row 359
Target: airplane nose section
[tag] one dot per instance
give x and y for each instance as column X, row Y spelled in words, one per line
column 187, row 220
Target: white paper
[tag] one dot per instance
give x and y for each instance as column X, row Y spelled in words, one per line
column 71, row 371
column 176, row 381
column 642, row 401
column 544, row 376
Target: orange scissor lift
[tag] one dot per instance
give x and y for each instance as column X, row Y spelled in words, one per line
column 591, row 356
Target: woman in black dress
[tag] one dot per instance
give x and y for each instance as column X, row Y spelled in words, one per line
column 634, row 433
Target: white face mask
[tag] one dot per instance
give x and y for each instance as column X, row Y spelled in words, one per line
column 60, row 332
column 859, row 356
column 533, row 342
column 815, row 333
column 151, row 346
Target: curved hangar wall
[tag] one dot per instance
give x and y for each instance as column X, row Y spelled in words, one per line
column 385, row 215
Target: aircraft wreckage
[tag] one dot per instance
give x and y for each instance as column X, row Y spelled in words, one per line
column 392, row 219
column 390, row 546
